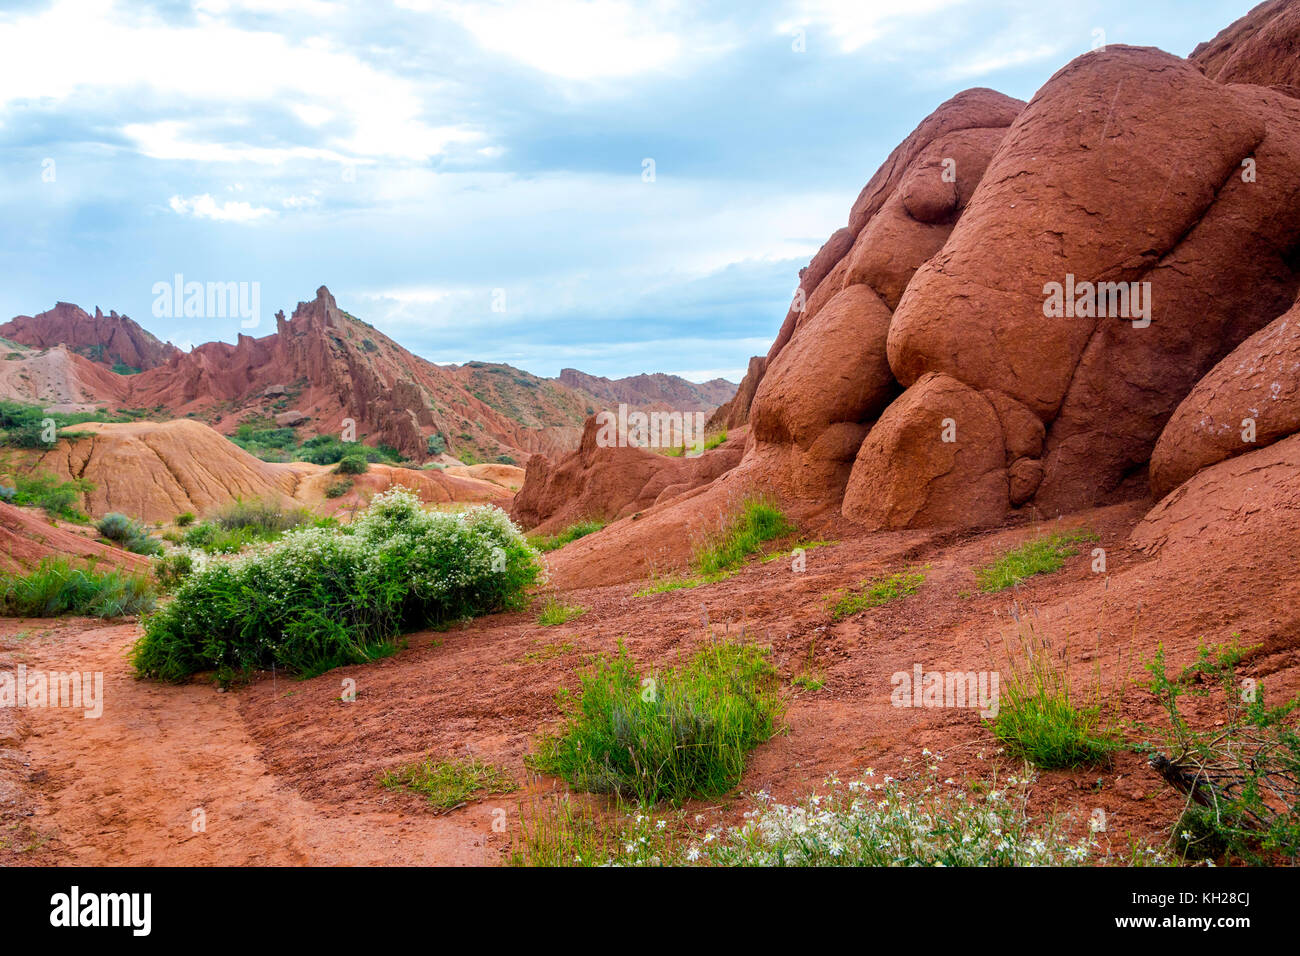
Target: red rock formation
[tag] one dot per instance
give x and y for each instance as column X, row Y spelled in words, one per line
column 107, row 339
column 1263, row 47
column 647, row 391
column 1129, row 166
column 1072, row 192
column 735, row 412
column 609, row 482
column 1246, row 402
column 330, row 367
column 827, row 376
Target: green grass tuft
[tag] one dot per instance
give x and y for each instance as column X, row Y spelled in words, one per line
column 449, row 783
column 1040, row 721
column 555, row 611
column 758, row 520
column 1043, row 555
column 57, row 587
column 572, row 533
column 679, row 733
column 877, row 592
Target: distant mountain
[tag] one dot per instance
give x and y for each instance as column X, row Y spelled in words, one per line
column 656, row 389
column 323, row 367
column 112, row 340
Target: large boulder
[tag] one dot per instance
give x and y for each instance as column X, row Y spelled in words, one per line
column 1249, row 400
column 1096, row 182
column 826, row 377
column 835, row 370
column 935, row 457
column 1263, row 47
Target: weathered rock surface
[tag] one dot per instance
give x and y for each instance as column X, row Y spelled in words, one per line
column 1249, row 400
column 106, row 339
column 935, row 457
column 612, row 481
column 1263, row 47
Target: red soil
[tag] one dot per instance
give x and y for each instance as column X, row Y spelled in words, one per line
column 287, row 772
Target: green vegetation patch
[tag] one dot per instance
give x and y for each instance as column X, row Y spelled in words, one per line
column 1042, row 555
column 869, row 594
column 671, row 735
column 322, row 597
column 573, row 532
column 555, row 611
column 57, row 587
column 447, row 784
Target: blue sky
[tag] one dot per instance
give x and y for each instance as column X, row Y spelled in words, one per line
column 427, row 159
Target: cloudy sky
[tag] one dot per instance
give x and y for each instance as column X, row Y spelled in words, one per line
column 474, row 178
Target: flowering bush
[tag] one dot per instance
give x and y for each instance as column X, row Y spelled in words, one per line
column 323, row 597
column 924, row 821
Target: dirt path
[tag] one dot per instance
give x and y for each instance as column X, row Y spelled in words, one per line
column 124, row 788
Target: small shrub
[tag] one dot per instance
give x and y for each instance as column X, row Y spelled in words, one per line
column 449, row 783
column 877, row 592
column 127, row 533
column 242, row 523
column 57, row 587
column 59, row 499
column 436, row 444
column 1242, row 775
column 1042, row 555
column 171, row 569
column 260, row 515
column 321, row 597
column 556, row 611
column 758, row 520
column 1040, row 721
column 685, row 732
column 185, row 519
column 337, row 489
column 352, row 465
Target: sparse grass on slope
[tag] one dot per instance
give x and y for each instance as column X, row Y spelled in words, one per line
column 573, row 532
column 758, row 520
column 877, row 592
column 59, row 499
column 57, row 587
column 449, row 783
column 1040, row 720
column 555, row 611
column 682, row 732
column 1042, row 555
column 723, row 551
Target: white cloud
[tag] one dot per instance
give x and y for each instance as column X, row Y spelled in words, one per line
column 858, row 23
column 205, row 207
column 215, row 64
column 574, row 39
column 991, row 62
